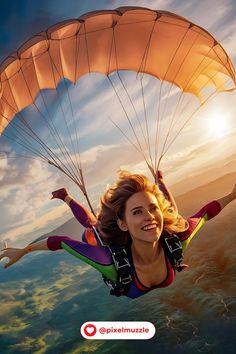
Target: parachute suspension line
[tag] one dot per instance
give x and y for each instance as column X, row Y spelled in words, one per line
column 170, row 89
column 53, row 130
column 138, row 147
column 76, row 149
column 81, row 183
column 83, row 189
column 193, row 113
column 129, row 140
column 22, row 143
column 146, row 50
column 11, row 156
column 28, row 132
column 36, row 137
column 174, row 121
column 170, row 127
column 78, row 163
column 62, row 147
column 72, row 175
column 135, row 111
column 49, row 122
column 198, row 108
column 55, row 134
column 128, row 119
column 140, row 74
column 140, row 150
column 121, row 103
column 141, row 70
column 73, row 169
column 157, row 129
column 17, row 139
column 39, row 141
column 78, row 160
column 65, row 153
column 151, row 165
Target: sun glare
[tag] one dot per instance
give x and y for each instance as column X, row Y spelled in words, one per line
column 217, row 125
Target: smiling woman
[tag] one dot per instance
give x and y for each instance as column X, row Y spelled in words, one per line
column 165, row 67
column 138, row 238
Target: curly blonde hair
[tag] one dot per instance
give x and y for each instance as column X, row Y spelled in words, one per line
column 113, row 204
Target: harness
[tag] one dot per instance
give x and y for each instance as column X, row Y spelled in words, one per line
column 173, row 248
column 122, row 259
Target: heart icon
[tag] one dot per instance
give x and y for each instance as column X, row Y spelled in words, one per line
column 90, row 330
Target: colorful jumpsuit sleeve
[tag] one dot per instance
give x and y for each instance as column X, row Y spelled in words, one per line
column 83, row 215
column 98, row 257
column 196, row 221
column 85, row 218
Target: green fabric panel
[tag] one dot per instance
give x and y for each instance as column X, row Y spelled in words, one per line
column 108, row 270
column 186, row 242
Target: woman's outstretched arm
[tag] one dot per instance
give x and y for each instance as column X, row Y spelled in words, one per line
column 206, row 213
column 15, row 254
column 227, row 198
column 83, row 215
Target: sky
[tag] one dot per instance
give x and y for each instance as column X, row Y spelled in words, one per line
column 26, row 184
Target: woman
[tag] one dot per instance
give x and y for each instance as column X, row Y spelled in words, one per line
column 137, row 221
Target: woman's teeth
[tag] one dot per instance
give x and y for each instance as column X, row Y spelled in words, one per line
column 149, row 227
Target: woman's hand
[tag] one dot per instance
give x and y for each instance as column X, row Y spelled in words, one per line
column 228, row 198
column 14, row 254
column 234, row 191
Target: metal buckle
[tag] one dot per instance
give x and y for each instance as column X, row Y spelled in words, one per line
column 118, row 266
column 126, row 280
column 176, row 243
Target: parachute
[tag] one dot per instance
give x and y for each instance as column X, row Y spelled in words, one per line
column 183, row 59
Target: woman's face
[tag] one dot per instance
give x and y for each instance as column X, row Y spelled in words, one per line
column 143, row 217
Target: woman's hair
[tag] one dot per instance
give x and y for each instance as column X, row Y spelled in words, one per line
column 113, row 204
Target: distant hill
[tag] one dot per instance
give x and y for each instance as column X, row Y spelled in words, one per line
column 70, row 228
column 191, row 201
column 210, row 175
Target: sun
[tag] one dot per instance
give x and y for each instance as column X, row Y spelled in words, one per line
column 217, row 125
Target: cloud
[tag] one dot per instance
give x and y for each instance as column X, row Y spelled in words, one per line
column 25, row 191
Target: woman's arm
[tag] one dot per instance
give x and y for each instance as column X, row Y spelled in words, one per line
column 165, row 190
column 208, row 212
column 83, row 215
column 228, row 198
column 98, row 257
column 15, row 254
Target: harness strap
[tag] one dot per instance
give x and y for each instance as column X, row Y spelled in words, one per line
column 173, row 248
column 123, row 266
column 124, row 270
column 123, row 261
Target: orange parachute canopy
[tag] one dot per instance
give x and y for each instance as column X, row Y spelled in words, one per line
column 159, row 43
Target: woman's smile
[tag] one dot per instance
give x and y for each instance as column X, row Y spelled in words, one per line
column 149, row 227
column 143, row 217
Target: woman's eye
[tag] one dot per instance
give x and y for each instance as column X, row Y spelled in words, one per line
column 155, row 208
column 136, row 212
